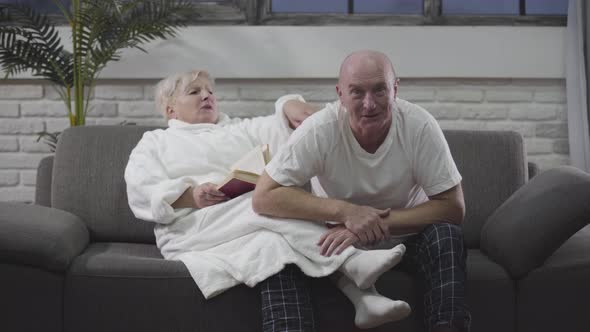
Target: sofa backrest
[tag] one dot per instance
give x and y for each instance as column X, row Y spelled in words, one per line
column 90, row 162
column 493, row 166
column 88, row 181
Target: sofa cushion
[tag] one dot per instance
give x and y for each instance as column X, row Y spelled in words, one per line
column 125, row 260
column 117, row 278
column 400, row 284
column 560, row 289
column 537, row 219
column 489, row 291
column 130, row 287
column 490, row 294
column 88, row 181
column 114, row 279
column 31, row 300
column 493, row 167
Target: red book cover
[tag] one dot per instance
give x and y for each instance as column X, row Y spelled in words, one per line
column 236, row 187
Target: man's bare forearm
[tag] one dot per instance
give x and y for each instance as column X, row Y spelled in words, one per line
column 445, row 207
column 411, row 220
column 288, row 202
column 295, row 203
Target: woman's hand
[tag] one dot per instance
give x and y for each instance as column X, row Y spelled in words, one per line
column 199, row 197
column 206, row 194
column 296, row 111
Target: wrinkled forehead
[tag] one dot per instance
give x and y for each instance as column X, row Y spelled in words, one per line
column 193, row 80
column 199, row 83
column 364, row 78
column 367, row 70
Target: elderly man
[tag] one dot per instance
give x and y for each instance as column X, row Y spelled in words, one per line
column 387, row 172
column 170, row 180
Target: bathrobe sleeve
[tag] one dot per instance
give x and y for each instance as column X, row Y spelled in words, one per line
column 150, row 190
column 273, row 130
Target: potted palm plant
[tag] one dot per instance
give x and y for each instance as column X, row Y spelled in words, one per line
column 100, row 29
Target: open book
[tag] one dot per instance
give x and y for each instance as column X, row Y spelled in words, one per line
column 245, row 172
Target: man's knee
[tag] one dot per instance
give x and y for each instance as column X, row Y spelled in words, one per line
column 445, row 237
column 442, row 230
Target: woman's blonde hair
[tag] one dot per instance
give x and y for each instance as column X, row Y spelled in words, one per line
column 170, row 87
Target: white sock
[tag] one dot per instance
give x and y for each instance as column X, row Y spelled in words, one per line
column 372, row 309
column 366, row 266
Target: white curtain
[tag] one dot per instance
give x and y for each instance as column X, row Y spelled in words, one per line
column 577, row 73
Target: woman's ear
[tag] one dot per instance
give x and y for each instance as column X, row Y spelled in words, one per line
column 170, row 114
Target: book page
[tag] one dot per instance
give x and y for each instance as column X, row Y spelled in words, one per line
column 253, row 161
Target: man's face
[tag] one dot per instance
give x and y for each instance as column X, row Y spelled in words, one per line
column 196, row 104
column 367, row 91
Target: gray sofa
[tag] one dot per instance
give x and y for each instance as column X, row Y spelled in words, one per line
column 83, row 262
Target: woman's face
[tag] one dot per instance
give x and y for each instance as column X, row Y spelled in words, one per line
column 196, row 104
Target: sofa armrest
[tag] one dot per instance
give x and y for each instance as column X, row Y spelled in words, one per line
column 537, row 219
column 40, row 236
column 44, row 179
column 533, row 169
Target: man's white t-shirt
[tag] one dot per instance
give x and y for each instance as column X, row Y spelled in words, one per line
column 413, row 162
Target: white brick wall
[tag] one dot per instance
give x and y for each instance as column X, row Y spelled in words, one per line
column 535, row 108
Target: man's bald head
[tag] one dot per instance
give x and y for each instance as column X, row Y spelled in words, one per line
column 367, row 89
column 366, row 61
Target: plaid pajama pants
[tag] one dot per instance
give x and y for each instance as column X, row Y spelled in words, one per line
column 286, row 302
column 437, row 255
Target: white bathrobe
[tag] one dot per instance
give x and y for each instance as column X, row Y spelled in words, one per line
column 225, row 244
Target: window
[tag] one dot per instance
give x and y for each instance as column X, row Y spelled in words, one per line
column 364, row 12
column 348, row 6
column 211, row 11
column 505, row 7
column 480, row 7
column 310, row 6
column 388, row 6
column 416, row 12
column 546, row 7
column 42, row 6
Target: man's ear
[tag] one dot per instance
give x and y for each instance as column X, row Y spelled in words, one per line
column 395, row 87
column 338, row 91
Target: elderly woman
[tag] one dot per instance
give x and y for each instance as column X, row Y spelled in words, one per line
column 171, row 178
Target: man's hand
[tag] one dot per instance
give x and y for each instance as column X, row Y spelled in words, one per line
column 206, row 194
column 296, row 111
column 367, row 223
column 335, row 240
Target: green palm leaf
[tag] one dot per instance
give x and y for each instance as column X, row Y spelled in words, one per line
column 32, row 43
column 100, row 30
